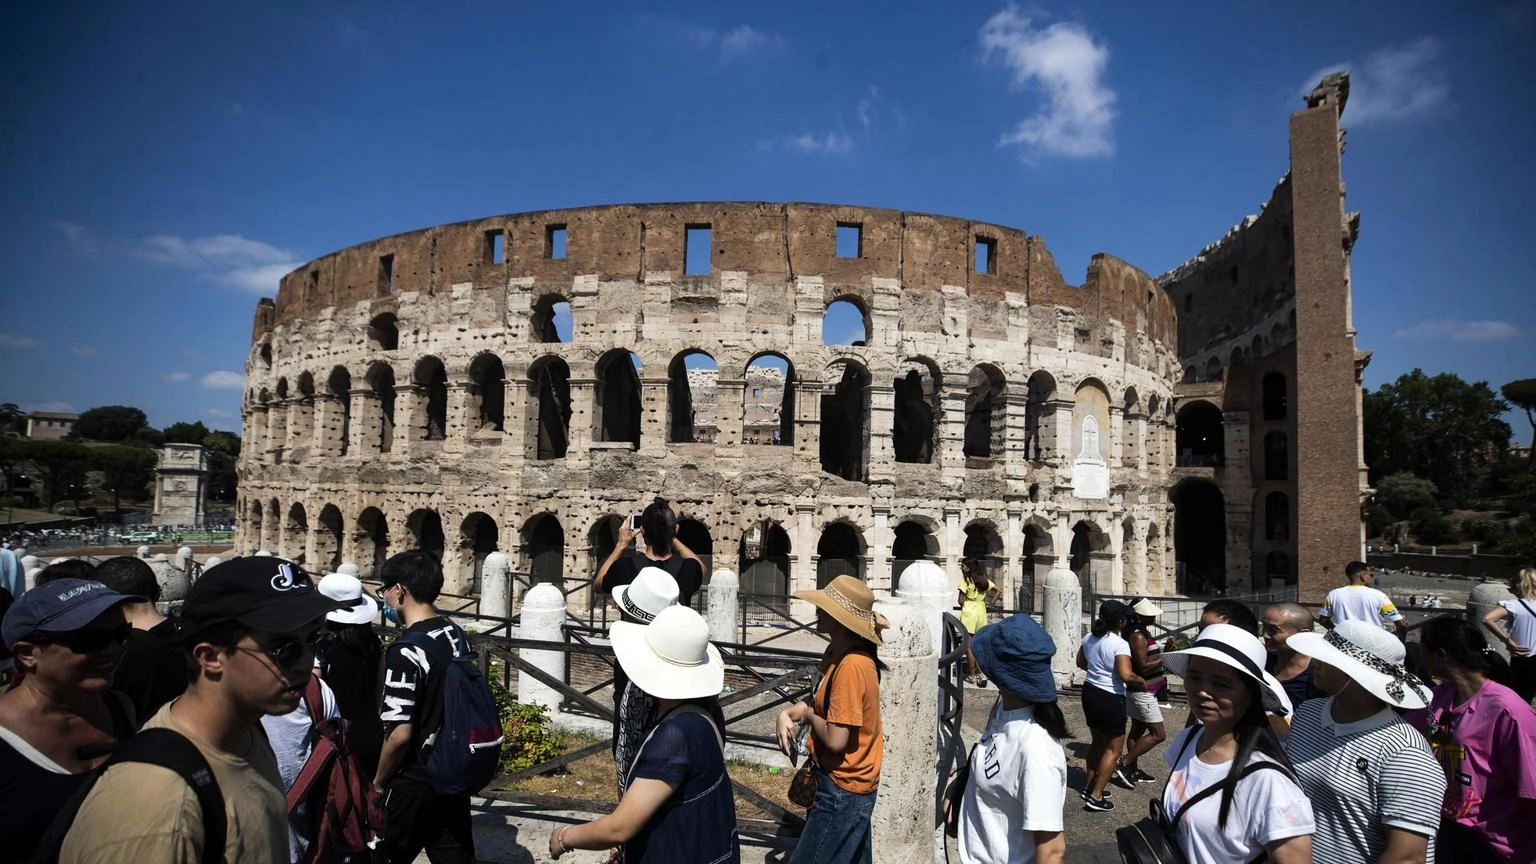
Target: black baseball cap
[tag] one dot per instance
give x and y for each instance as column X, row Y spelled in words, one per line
column 265, row 593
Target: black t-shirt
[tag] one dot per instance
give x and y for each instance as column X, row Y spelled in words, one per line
column 413, row 686
column 152, row 671
column 354, row 677
column 688, row 572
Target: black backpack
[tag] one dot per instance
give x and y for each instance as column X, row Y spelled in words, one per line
column 462, row 755
column 168, row 749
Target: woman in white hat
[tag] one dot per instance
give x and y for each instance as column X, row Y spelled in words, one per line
column 350, row 661
column 1147, row 730
column 639, row 602
column 846, row 735
column 1232, row 794
column 1374, row 785
column 678, row 805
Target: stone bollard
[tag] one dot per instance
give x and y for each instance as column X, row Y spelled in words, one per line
column 904, row 817
column 1480, row 601
column 211, row 563
column 262, row 553
column 724, row 606
column 1063, row 616
column 543, row 619
column 926, row 586
column 31, row 565
column 494, row 593
column 347, row 567
column 177, row 578
column 142, row 552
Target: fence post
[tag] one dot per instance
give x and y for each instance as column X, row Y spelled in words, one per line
column 1064, row 621
column 495, row 593
column 176, row 579
column 926, row 586
column 904, row 817
column 31, row 565
column 724, row 591
column 543, row 620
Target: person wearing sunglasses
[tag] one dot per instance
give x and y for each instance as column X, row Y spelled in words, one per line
column 62, row 719
column 250, row 627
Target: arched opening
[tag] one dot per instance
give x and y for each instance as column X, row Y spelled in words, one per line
column 692, row 398
column 840, row 551
column 693, row 534
column 552, row 320
column 1277, row 569
column 913, row 542
column 617, row 404
column 295, row 533
column 339, row 387
column 329, row 539
column 1256, row 348
column 373, row 541
column 983, row 543
column 1236, row 358
column 1275, row 401
column 845, row 323
column 1277, row 516
column 768, row 415
column 384, row 332
column 266, row 354
column 1089, row 558
column 1277, row 457
column 601, row 538
column 915, row 420
column 431, row 381
column 488, row 392
column 544, row 548
column 425, row 528
column 985, row 413
column 381, row 385
column 763, row 560
column 1213, row 369
column 1035, row 562
column 477, row 539
column 1039, row 431
column 1199, row 536
column 1199, row 436
column 549, row 386
column 845, row 420
column 254, row 527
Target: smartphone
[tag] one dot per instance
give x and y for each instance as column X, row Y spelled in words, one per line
column 634, row 521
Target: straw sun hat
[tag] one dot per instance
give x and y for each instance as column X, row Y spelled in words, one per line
column 1370, row 656
column 851, row 604
column 670, row 658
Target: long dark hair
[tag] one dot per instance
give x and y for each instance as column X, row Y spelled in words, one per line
column 1107, row 625
column 1253, row 734
column 1463, row 645
column 1048, row 716
column 970, row 568
column 660, row 525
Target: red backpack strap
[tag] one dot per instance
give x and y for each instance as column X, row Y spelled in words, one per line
column 324, row 747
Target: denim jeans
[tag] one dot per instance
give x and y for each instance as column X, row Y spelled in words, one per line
column 837, row 829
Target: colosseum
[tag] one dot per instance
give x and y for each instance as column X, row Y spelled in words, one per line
column 821, row 389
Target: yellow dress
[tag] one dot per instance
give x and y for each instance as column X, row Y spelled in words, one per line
column 973, row 612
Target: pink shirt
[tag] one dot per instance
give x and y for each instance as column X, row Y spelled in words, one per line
column 1487, row 747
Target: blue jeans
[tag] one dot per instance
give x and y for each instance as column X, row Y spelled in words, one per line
column 837, row 829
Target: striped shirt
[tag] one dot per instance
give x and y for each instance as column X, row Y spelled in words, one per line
column 1363, row 777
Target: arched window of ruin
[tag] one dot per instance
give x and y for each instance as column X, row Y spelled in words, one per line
column 764, row 561
column 1236, row 357
column 488, row 392
column 692, row 398
column 1199, row 535
column 913, row 542
column 265, row 353
column 381, row 384
column 1256, row 348
column 845, row 323
column 983, row 543
column 616, row 414
column 425, row 528
column 477, row 539
column 384, row 332
column 845, row 420
column 339, row 388
column 552, row 321
column 549, row 400
column 986, row 414
column 282, row 388
column 1199, row 436
column 306, row 385
column 1277, row 457
column 695, row 535
column 1275, row 401
column 1277, row 568
column 544, row 548
column 601, row 538
column 1035, row 562
column 329, row 539
column 839, row 552
column 1277, row 516
column 264, row 397
column 915, row 420
column 431, row 381
column 1039, row 425
column 295, row 533
column 373, row 541
column 1276, row 336
column 1213, row 369
column 768, row 401
column 1088, row 557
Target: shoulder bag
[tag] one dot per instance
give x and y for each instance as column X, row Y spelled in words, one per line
column 802, row 787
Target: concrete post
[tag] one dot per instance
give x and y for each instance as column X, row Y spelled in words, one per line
column 31, row 565
column 142, row 552
column 543, row 618
column 495, row 593
column 1480, row 601
column 724, row 605
column 175, row 580
column 210, row 563
column 903, row 819
column 1063, row 610
column 927, row 588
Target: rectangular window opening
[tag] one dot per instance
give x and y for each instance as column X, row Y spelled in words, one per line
column 697, row 250
column 1189, row 302
column 554, row 242
column 1233, row 274
column 496, row 246
column 986, row 255
column 387, row 274
column 314, row 284
column 850, row 240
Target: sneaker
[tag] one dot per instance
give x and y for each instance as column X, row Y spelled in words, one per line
column 981, row 680
column 1122, row 778
column 1099, row 805
column 1141, row 776
column 1083, row 794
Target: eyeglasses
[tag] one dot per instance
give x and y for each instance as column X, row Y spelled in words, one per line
column 287, row 654
column 85, row 641
column 379, row 592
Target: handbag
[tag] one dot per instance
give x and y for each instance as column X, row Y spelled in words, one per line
column 802, row 786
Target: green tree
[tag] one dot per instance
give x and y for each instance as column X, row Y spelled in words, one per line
column 113, row 423
column 124, row 471
column 223, row 451
column 1440, row 428
column 61, row 465
column 1402, row 493
column 1523, row 394
column 186, row 433
column 13, row 423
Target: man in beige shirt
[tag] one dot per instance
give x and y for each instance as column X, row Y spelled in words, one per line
column 250, row 628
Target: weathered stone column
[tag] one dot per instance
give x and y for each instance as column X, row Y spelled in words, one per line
column 653, row 414
column 927, row 589
column 724, row 605
column 1480, row 600
column 904, row 817
column 543, row 617
column 495, row 594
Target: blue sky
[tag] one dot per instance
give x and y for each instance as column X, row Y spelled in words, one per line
column 164, row 163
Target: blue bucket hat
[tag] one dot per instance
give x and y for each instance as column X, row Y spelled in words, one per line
column 1016, row 654
column 60, row 606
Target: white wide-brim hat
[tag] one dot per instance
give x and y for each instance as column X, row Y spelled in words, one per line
column 1370, row 656
column 670, row 658
column 653, row 590
column 1234, row 647
column 343, row 586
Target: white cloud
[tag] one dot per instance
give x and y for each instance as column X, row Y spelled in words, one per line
column 1394, row 83
column 175, row 377
column 737, row 42
column 223, row 380
column 86, row 351
column 1065, row 62
column 227, row 259
column 810, row 142
column 1460, row 331
column 16, row 340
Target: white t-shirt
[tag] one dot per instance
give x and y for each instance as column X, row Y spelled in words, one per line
column 1360, row 603
column 1266, row 806
column 1522, row 627
column 293, row 739
column 1018, row 786
column 1100, row 652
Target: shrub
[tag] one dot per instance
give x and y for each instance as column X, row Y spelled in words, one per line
column 1404, row 493
column 1432, row 527
column 1479, row 530
column 530, row 739
column 1377, row 519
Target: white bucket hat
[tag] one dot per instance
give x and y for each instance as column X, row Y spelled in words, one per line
column 342, row 586
column 1234, row 647
column 670, row 658
column 653, row 590
column 1369, row 655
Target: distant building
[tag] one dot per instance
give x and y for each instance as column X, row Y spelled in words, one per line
column 50, row 425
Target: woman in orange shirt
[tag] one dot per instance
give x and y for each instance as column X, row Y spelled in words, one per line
column 845, row 732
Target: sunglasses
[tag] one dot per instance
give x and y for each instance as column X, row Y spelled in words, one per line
column 287, row 654
column 85, row 641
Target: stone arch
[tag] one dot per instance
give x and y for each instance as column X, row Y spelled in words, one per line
column 692, row 397
column 1277, row 568
column 339, row 432
column 1036, row 557
column 1236, row 358
column 845, row 321
column 282, row 387
column 425, row 528
column 295, row 534
column 373, row 541
column 1274, row 397
column 1199, row 535
column 329, row 538
column 616, row 404
column 1089, row 557
column 381, row 386
column 914, row 539
column 430, row 378
column 488, row 392
column 695, row 535
column 264, row 353
column 1199, row 436
column 383, row 332
column 551, row 314
column 984, row 543
column 306, row 385
column 549, row 405
column 986, row 413
column 764, row 562
column 918, row 411
column 601, row 538
column 1039, row 428
column 544, row 548
column 1213, row 369
column 1277, row 516
column 1256, row 348
column 845, row 420
column 839, row 551
column 766, row 419
column 477, row 539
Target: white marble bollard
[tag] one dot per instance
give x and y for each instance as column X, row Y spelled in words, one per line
column 142, row 552
column 1064, row 622
column 176, row 579
column 1480, row 601
column 904, row 816
column 928, row 588
column 262, row 553
column 211, row 563
column 31, row 565
column 347, row 567
column 543, row 618
column 724, row 606
column 495, row 594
